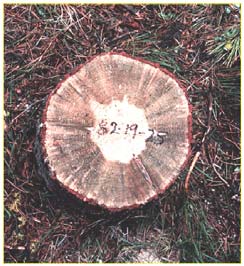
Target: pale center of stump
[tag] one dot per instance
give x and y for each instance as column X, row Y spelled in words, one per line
column 120, row 130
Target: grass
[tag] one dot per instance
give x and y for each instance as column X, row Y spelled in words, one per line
column 201, row 45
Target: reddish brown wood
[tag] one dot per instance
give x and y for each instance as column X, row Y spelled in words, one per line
column 117, row 166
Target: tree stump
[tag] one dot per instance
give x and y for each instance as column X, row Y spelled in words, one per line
column 117, row 131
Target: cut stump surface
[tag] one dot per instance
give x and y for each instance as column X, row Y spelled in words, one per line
column 117, row 132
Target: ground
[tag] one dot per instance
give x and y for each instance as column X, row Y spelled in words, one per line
column 200, row 44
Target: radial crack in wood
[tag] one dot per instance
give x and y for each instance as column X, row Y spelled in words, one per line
column 117, row 132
